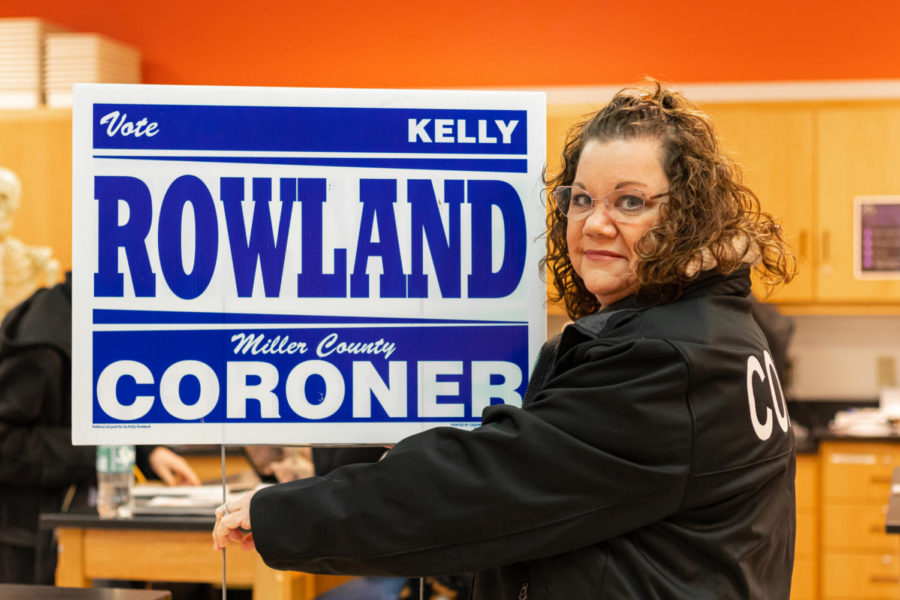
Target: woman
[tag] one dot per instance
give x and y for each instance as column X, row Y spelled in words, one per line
column 653, row 456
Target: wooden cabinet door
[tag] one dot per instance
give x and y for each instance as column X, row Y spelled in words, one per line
column 852, row 576
column 804, row 582
column 857, row 472
column 560, row 119
column 37, row 145
column 774, row 145
column 859, row 559
column 859, row 154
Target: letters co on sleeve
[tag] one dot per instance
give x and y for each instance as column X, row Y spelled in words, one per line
column 299, row 265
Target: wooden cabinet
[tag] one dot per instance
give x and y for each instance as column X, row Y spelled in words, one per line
column 774, row 145
column 807, row 162
column 804, row 582
column 37, row 145
column 858, row 559
column 851, row 576
column 858, row 153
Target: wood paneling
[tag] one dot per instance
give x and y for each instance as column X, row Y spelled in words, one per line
column 859, row 150
column 804, row 582
column 774, row 145
column 859, row 560
column 37, row 145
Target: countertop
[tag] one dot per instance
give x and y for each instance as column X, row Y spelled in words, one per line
column 30, row 592
column 811, row 419
column 85, row 517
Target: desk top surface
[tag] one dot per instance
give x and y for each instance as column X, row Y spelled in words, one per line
column 30, row 592
column 90, row 520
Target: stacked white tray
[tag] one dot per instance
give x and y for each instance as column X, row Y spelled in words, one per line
column 22, row 62
column 86, row 58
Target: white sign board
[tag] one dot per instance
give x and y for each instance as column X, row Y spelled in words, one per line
column 301, row 266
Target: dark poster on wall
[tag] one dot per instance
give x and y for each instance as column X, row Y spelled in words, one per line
column 877, row 237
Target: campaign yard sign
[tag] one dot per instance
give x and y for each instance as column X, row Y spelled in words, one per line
column 301, row 266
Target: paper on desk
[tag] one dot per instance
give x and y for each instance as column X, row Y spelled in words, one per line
column 178, row 499
column 863, row 422
column 200, row 493
column 175, row 502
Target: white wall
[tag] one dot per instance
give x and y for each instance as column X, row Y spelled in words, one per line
column 837, row 357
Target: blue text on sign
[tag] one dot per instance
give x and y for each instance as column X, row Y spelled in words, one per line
column 261, row 248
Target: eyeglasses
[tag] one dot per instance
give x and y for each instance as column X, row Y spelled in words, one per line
column 624, row 205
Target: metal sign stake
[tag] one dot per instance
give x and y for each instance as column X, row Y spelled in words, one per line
column 224, row 499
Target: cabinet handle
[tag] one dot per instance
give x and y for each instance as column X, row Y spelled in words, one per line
column 884, row 579
column 826, row 246
column 802, row 243
column 880, row 479
column 877, row 529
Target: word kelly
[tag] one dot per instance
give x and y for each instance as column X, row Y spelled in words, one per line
column 448, row 131
column 126, row 213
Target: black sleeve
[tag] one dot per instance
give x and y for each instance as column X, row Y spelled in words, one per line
column 327, row 460
column 35, row 423
column 603, row 449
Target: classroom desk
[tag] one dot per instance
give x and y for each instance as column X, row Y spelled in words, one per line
column 162, row 548
column 10, row 591
column 206, row 461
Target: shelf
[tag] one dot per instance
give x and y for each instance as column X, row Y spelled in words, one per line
column 36, row 114
column 829, row 309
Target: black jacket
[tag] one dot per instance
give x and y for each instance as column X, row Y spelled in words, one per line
column 39, row 466
column 634, row 470
column 37, row 460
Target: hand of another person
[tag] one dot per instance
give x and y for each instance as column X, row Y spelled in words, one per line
column 264, row 456
column 233, row 524
column 171, row 468
column 296, row 464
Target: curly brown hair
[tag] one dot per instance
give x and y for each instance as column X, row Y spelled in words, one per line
column 710, row 219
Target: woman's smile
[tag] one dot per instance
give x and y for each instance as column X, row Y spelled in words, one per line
column 602, row 255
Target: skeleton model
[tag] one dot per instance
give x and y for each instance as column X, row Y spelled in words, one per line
column 23, row 268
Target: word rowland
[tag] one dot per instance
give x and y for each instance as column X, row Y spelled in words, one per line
column 125, row 216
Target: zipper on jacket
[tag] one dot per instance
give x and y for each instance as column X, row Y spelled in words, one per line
column 523, row 591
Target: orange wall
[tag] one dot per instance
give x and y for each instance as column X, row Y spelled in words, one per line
column 432, row 43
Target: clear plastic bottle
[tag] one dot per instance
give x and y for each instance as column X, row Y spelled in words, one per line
column 115, row 478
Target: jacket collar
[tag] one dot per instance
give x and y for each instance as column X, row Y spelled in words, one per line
column 708, row 283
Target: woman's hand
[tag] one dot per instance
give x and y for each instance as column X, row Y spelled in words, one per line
column 233, row 524
column 171, row 468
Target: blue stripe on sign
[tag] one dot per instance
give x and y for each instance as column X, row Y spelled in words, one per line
column 113, row 316
column 389, row 348
column 486, row 165
column 309, row 129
